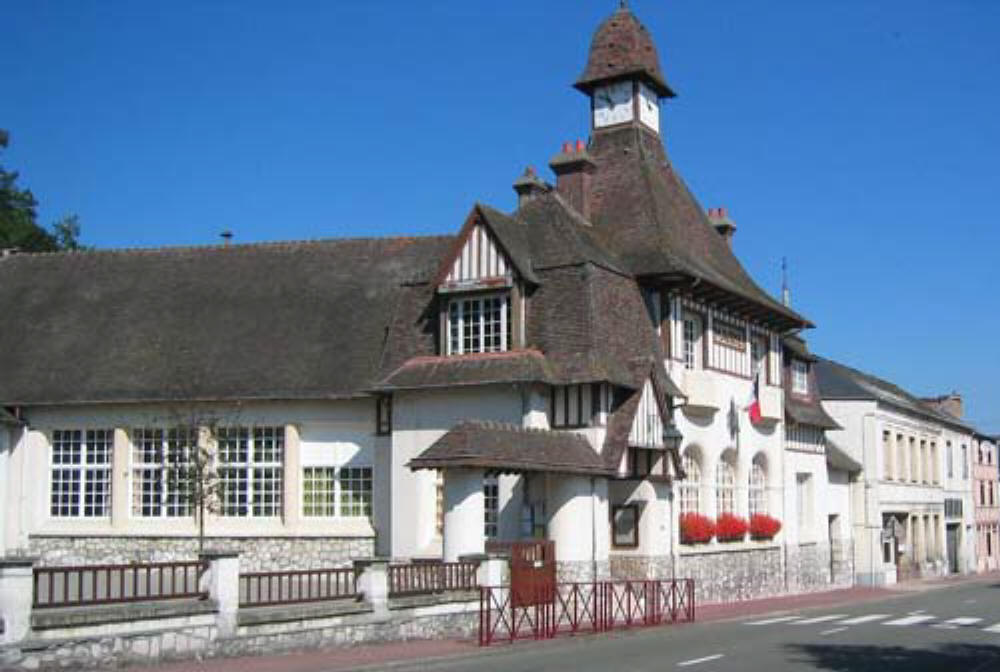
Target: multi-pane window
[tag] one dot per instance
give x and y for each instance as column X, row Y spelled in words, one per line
column 690, row 487
column 81, row 473
column 331, row 492
column 573, row 405
column 162, row 471
column 691, row 343
column 758, row 486
column 383, row 415
column 725, row 487
column 251, row 470
column 479, row 324
column 491, row 505
column 800, row 377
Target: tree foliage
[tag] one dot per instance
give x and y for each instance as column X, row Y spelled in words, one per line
column 19, row 226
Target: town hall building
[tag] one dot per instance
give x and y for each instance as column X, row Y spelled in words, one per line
column 595, row 368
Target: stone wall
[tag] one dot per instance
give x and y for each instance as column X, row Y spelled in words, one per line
column 641, row 567
column 256, row 553
column 158, row 642
column 733, row 575
column 577, row 572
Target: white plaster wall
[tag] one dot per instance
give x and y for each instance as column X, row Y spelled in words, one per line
column 815, row 528
column 711, row 434
column 654, row 515
column 577, row 520
column 5, row 440
column 339, row 423
column 419, row 419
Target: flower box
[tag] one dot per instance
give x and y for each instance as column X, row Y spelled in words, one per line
column 696, row 528
column 730, row 527
column 763, row 526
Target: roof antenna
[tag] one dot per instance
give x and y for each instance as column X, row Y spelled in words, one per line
column 786, row 294
column 227, row 237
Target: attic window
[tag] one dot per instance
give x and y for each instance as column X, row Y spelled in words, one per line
column 800, row 377
column 479, row 324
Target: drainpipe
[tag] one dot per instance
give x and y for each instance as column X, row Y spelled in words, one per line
column 593, row 527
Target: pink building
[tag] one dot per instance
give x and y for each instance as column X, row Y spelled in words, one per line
column 987, row 501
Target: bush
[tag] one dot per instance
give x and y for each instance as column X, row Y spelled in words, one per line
column 763, row 526
column 730, row 527
column 696, row 528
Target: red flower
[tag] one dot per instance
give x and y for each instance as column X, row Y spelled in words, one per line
column 696, row 528
column 763, row 526
column 730, row 527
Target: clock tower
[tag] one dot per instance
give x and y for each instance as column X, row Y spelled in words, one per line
column 623, row 77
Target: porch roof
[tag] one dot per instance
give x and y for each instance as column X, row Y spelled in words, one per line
column 502, row 447
column 838, row 458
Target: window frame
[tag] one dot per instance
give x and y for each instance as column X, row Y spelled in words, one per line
column 690, row 489
column 800, row 377
column 174, row 501
column 456, row 334
column 695, row 346
column 383, row 415
column 88, row 445
column 491, row 507
column 253, row 469
column 633, row 543
column 334, row 492
column 725, row 487
column 757, row 490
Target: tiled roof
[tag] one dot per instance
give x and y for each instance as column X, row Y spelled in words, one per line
column 510, row 449
column 837, row 381
column 276, row 321
column 518, row 366
column 7, row 419
column 838, row 459
column 803, row 409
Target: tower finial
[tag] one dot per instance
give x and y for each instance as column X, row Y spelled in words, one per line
column 622, row 4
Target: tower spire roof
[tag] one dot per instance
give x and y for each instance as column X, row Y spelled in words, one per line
column 622, row 47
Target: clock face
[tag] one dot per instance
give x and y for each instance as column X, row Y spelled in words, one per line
column 649, row 108
column 612, row 104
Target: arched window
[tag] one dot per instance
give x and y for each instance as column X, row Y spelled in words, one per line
column 690, row 487
column 725, row 485
column 758, row 485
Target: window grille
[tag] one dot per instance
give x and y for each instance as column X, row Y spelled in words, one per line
column 758, row 487
column 690, row 487
column 81, row 473
column 491, row 501
column 479, row 324
column 725, row 487
column 251, row 471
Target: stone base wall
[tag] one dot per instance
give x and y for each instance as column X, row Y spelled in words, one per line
column 641, row 567
column 732, row 576
column 155, row 642
column 582, row 571
column 256, row 553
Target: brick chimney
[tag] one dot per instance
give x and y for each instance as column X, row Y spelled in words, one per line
column 720, row 220
column 948, row 403
column 528, row 186
column 574, row 169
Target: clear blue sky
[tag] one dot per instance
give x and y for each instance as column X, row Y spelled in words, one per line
column 859, row 139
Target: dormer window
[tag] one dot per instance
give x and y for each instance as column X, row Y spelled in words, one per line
column 800, row 377
column 477, row 324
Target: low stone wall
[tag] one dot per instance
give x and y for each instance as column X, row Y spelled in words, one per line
column 641, row 567
column 198, row 637
column 734, row 575
column 582, row 571
column 256, row 553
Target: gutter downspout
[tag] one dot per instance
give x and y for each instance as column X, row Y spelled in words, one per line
column 593, row 527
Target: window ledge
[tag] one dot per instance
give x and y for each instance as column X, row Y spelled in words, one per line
column 726, row 547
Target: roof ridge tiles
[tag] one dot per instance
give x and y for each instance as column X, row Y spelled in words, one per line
column 263, row 244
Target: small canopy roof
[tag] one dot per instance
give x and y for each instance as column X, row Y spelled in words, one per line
column 837, row 458
column 506, row 448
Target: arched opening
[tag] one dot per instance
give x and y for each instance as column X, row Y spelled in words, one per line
column 725, row 483
column 758, row 485
column 690, row 487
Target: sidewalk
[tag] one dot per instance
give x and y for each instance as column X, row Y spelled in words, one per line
column 349, row 658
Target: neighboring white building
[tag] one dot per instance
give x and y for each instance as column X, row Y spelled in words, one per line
column 913, row 512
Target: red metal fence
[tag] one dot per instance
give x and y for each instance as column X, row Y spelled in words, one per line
column 421, row 578
column 109, row 584
column 583, row 607
column 260, row 589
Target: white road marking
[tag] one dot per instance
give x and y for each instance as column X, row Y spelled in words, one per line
column 830, row 632
column 820, row 619
column 910, row 620
column 699, row 660
column 865, row 619
column 993, row 628
column 965, row 620
column 769, row 621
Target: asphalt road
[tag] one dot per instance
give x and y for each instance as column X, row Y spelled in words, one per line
column 952, row 629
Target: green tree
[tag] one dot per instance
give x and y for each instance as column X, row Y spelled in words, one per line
column 18, row 218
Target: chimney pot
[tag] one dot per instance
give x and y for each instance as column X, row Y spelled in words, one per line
column 580, row 147
column 567, row 148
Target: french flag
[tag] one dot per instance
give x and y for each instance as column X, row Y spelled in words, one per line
column 754, row 407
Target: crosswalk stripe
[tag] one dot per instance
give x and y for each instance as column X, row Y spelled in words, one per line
column 865, row 619
column 820, row 619
column 769, row 621
column 965, row 620
column 910, row 620
column 993, row 628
